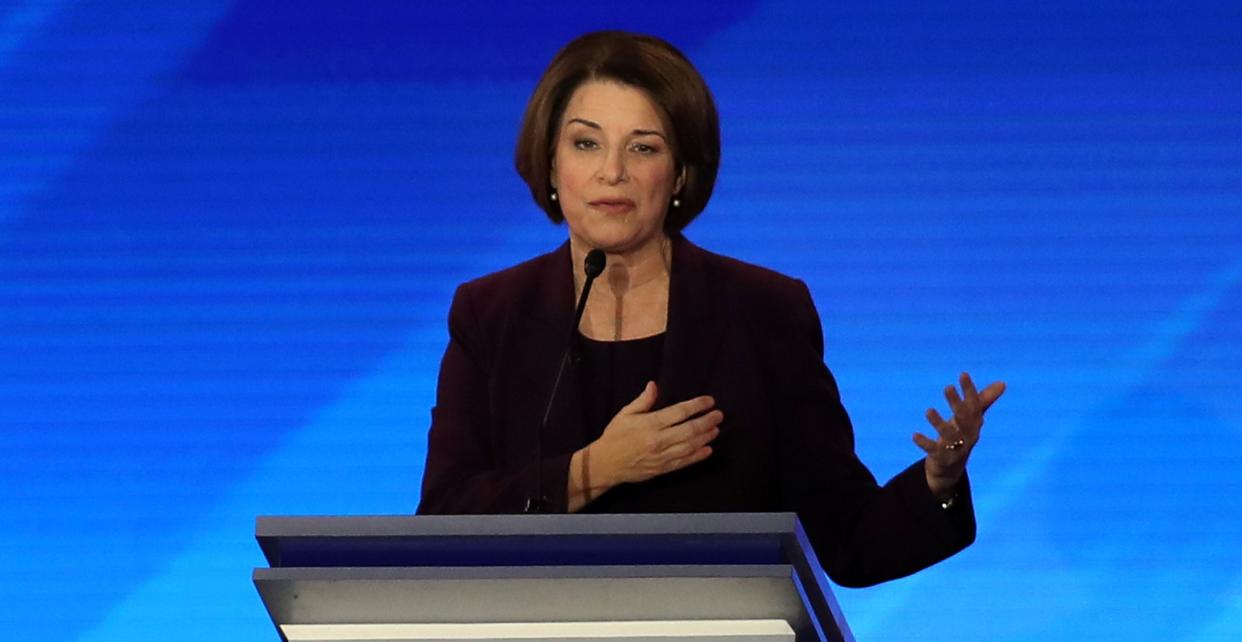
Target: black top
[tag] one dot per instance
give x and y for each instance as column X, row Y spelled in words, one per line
column 612, row 374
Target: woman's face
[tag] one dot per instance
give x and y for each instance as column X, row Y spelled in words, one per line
column 613, row 168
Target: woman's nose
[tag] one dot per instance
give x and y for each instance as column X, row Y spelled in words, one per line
column 613, row 170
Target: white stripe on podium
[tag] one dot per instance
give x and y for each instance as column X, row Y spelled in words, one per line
column 644, row 631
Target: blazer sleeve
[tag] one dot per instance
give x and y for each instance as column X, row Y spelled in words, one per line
column 465, row 473
column 862, row 532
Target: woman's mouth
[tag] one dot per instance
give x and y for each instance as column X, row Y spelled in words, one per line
column 613, row 205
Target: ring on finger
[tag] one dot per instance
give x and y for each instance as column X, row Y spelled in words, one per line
column 955, row 445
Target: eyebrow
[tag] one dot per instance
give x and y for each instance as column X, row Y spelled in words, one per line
column 595, row 125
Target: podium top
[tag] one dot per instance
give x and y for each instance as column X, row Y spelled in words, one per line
column 498, row 540
column 571, row 524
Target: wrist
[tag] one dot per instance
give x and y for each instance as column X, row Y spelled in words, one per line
column 943, row 493
column 603, row 471
column 942, row 487
column 596, row 471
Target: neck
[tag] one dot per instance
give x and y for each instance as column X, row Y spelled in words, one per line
column 630, row 299
column 626, row 271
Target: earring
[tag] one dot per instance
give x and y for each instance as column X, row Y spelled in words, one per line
column 553, row 197
column 676, row 203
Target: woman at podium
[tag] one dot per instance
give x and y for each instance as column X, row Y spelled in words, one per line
column 693, row 382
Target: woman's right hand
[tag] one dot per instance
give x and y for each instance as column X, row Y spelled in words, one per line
column 639, row 444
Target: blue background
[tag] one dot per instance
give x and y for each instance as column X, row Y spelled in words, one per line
column 229, row 232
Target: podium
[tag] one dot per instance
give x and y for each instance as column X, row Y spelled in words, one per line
column 700, row 577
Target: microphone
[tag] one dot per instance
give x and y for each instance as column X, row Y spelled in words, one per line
column 593, row 266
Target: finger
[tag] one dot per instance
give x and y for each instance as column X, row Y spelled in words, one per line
column 677, row 413
column 683, row 449
column 928, row 444
column 941, row 452
column 990, row 394
column 943, row 428
column 968, row 389
column 702, row 435
column 643, row 402
column 682, row 462
column 689, row 430
column 955, row 401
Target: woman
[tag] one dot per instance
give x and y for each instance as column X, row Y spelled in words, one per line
column 700, row 385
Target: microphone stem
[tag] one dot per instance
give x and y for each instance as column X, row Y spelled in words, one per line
column 538, row 504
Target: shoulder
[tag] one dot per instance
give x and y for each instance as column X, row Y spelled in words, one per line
column 527, row 287
column 505, row 280
column 745, row 283
column 769, row 303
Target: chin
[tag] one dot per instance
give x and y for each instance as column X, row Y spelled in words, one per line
column 612, row 246
column 615, row 237
column 610, row 242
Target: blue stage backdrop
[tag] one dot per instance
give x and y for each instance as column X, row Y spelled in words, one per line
column 229, row 232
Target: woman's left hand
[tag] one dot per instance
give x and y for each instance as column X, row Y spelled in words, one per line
column 947, row 454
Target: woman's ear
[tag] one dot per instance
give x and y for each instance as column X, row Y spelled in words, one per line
column 681, row 180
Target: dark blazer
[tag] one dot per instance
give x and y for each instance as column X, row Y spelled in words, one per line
column 748, row 336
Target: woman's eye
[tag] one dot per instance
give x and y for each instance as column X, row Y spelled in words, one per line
column 642, row 148
column 585, row 143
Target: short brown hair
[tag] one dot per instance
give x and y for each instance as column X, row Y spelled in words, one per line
column 644, row 62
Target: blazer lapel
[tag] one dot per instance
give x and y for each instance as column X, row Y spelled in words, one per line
column 695, row 329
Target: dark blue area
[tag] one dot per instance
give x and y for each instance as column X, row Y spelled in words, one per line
column 275, row 41
column 1126, row 38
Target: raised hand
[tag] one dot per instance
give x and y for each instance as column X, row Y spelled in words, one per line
column 956, row 438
